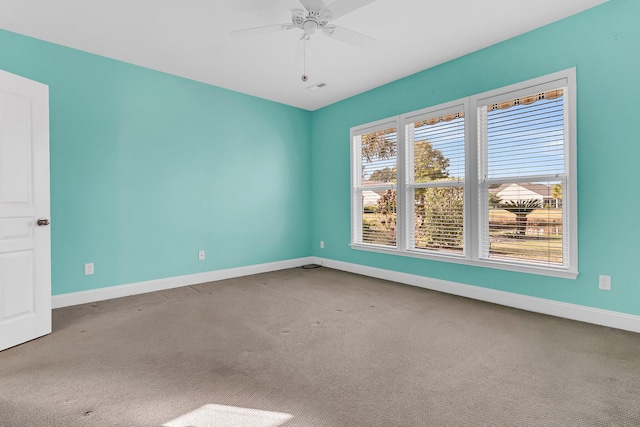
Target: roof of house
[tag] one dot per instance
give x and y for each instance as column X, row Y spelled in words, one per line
column 541, row 189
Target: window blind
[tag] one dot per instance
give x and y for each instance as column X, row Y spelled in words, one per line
column 524, row 173
column 377, row 159
column 437, row 183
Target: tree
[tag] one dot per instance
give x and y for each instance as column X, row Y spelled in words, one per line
column 384, row 175
column 379, row 144
column 438, row 217
column 386, row 207
column 495, row 201
column 382, row 230
column 438, row 210
column 557, row 196
column 521, row 208
column 429, row 164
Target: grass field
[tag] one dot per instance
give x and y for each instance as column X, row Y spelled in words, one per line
column 539, row 215
column 545, row 250
column 501, row 215
column 542, row 242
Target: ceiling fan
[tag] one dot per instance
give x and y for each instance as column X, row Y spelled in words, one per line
column 316, row 17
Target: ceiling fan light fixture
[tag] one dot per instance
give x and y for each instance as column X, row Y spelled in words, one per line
column 310, row 27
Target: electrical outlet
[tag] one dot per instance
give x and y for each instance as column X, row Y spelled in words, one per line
column 88, row 269
column 605, row 283
column 321, row 244
column 201, row 255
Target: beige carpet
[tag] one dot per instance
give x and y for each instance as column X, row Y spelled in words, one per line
column 317, row 348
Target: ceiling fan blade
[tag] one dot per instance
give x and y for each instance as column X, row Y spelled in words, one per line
column 349, row 36
column 342, row 7
column 312, row 5
column 262, row 30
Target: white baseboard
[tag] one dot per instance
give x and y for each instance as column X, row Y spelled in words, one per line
column 75, row 298
column 612, row 319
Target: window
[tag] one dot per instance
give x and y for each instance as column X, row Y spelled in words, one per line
column 435, row 180
column 487, row 180
column 375, row 154
column 522, row 169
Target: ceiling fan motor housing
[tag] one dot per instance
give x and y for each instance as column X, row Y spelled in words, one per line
column 310, row 21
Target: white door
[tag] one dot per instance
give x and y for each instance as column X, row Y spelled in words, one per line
column 25, row 254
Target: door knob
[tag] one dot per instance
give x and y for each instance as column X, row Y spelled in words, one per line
column 43, row 221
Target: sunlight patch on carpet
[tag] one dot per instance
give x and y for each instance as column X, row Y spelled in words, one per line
column 229, row 416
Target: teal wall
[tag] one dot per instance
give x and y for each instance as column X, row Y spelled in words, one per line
column 148, row 168
column 604, row 45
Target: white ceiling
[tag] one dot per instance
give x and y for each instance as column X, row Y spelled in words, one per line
column 190, row 38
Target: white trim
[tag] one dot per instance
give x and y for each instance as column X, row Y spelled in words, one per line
column 542, row 270
column 93, row 295
column 596, row 316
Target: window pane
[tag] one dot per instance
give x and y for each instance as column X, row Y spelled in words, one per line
column 438, row 217
column 526, row 222
column 379, row 217
column 438, row 149
column 525, row 140
column 379, row 157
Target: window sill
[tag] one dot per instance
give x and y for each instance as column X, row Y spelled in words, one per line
column 560, row 272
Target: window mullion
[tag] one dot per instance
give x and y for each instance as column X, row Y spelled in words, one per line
column 474, row 215
column 405, row 138
column 356, row 193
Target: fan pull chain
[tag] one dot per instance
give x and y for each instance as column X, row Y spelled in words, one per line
column 304, row 61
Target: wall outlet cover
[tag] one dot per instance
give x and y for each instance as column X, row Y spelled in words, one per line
column 604, row 283
column 88, row 268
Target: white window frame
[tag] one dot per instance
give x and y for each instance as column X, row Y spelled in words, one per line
column 475, row 215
